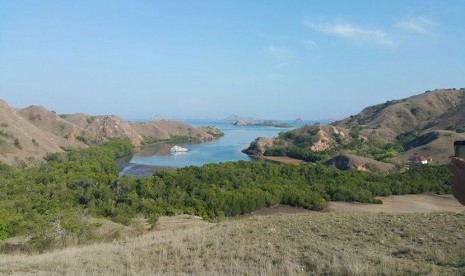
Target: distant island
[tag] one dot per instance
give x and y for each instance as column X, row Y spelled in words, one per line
column 234, row 118
column 261, row 123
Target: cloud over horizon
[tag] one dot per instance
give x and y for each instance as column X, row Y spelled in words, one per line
column 355, row 34
column 416, row 25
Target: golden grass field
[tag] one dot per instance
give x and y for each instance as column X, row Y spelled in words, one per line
column 303, row 243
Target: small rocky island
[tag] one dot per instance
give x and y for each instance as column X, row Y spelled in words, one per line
column 261, row 123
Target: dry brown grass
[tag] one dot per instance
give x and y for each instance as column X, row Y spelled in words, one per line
column 299, row 244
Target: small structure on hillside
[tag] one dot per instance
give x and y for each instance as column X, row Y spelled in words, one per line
column 418, row 159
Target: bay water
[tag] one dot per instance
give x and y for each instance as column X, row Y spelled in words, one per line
column 227, row 148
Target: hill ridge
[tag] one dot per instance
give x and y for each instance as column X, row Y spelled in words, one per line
column 28, row 134
column 425, row 124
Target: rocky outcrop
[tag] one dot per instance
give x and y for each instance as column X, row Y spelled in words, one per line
column 101, row 128
column 329, row 136
column 259, row 146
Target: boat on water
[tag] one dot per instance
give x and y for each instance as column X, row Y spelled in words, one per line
column 178, row 149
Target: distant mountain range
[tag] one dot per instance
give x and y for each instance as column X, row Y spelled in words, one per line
column 30, row 133
column 392, row 132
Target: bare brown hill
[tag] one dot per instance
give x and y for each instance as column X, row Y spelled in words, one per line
column 164, row 129
column 34, row 131
column 21, row 140
column 426, row 124
column 395, row 131
column 100, row 128
column 50, row 122
column 350, row 161
column 437, row 109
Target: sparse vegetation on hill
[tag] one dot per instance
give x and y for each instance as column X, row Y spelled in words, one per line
column 55, row 133
column 300, row 244
column 394, row 131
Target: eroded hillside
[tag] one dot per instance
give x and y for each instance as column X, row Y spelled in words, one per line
column 29, row 134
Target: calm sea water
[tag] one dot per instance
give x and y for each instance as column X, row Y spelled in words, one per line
column 227, row 148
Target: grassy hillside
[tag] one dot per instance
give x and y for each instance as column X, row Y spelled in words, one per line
column 417, row 113
column 299, row 244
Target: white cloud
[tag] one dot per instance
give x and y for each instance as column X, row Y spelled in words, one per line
column 355, row 34
column 416, row 25
column 281, row 53
column 310, row 44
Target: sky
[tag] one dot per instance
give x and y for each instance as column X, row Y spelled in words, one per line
column 210, row 59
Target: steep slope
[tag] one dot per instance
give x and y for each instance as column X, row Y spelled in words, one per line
column 20, row 139
column 32, row 132
column 50, row 122
column 425, row 124
column 430, row 110
column 314, row 138
column 100, row 128
column 80, row 128
column 436, row 145
column 350, row 161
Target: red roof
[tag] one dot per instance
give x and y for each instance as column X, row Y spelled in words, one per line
column 419, row 158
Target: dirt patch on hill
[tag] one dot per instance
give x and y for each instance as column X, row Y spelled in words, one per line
column 402, row 204
column 392, row 204
column 282, row 160
column 276, row 209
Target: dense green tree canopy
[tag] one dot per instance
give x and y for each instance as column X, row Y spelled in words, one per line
column 69, row 187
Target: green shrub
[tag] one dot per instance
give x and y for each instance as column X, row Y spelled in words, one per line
column 17, row 144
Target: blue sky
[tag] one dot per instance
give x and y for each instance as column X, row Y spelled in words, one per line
column 198, row 59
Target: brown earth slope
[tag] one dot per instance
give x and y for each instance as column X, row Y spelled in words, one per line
column 426, row 124
column 430, row 110
column 34, row 131
column 350, row 161
column 433, row 121
column 20, row 139
column 50, row 122
column 164, row 129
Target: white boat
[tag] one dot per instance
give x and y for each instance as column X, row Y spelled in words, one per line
column 177, row 149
